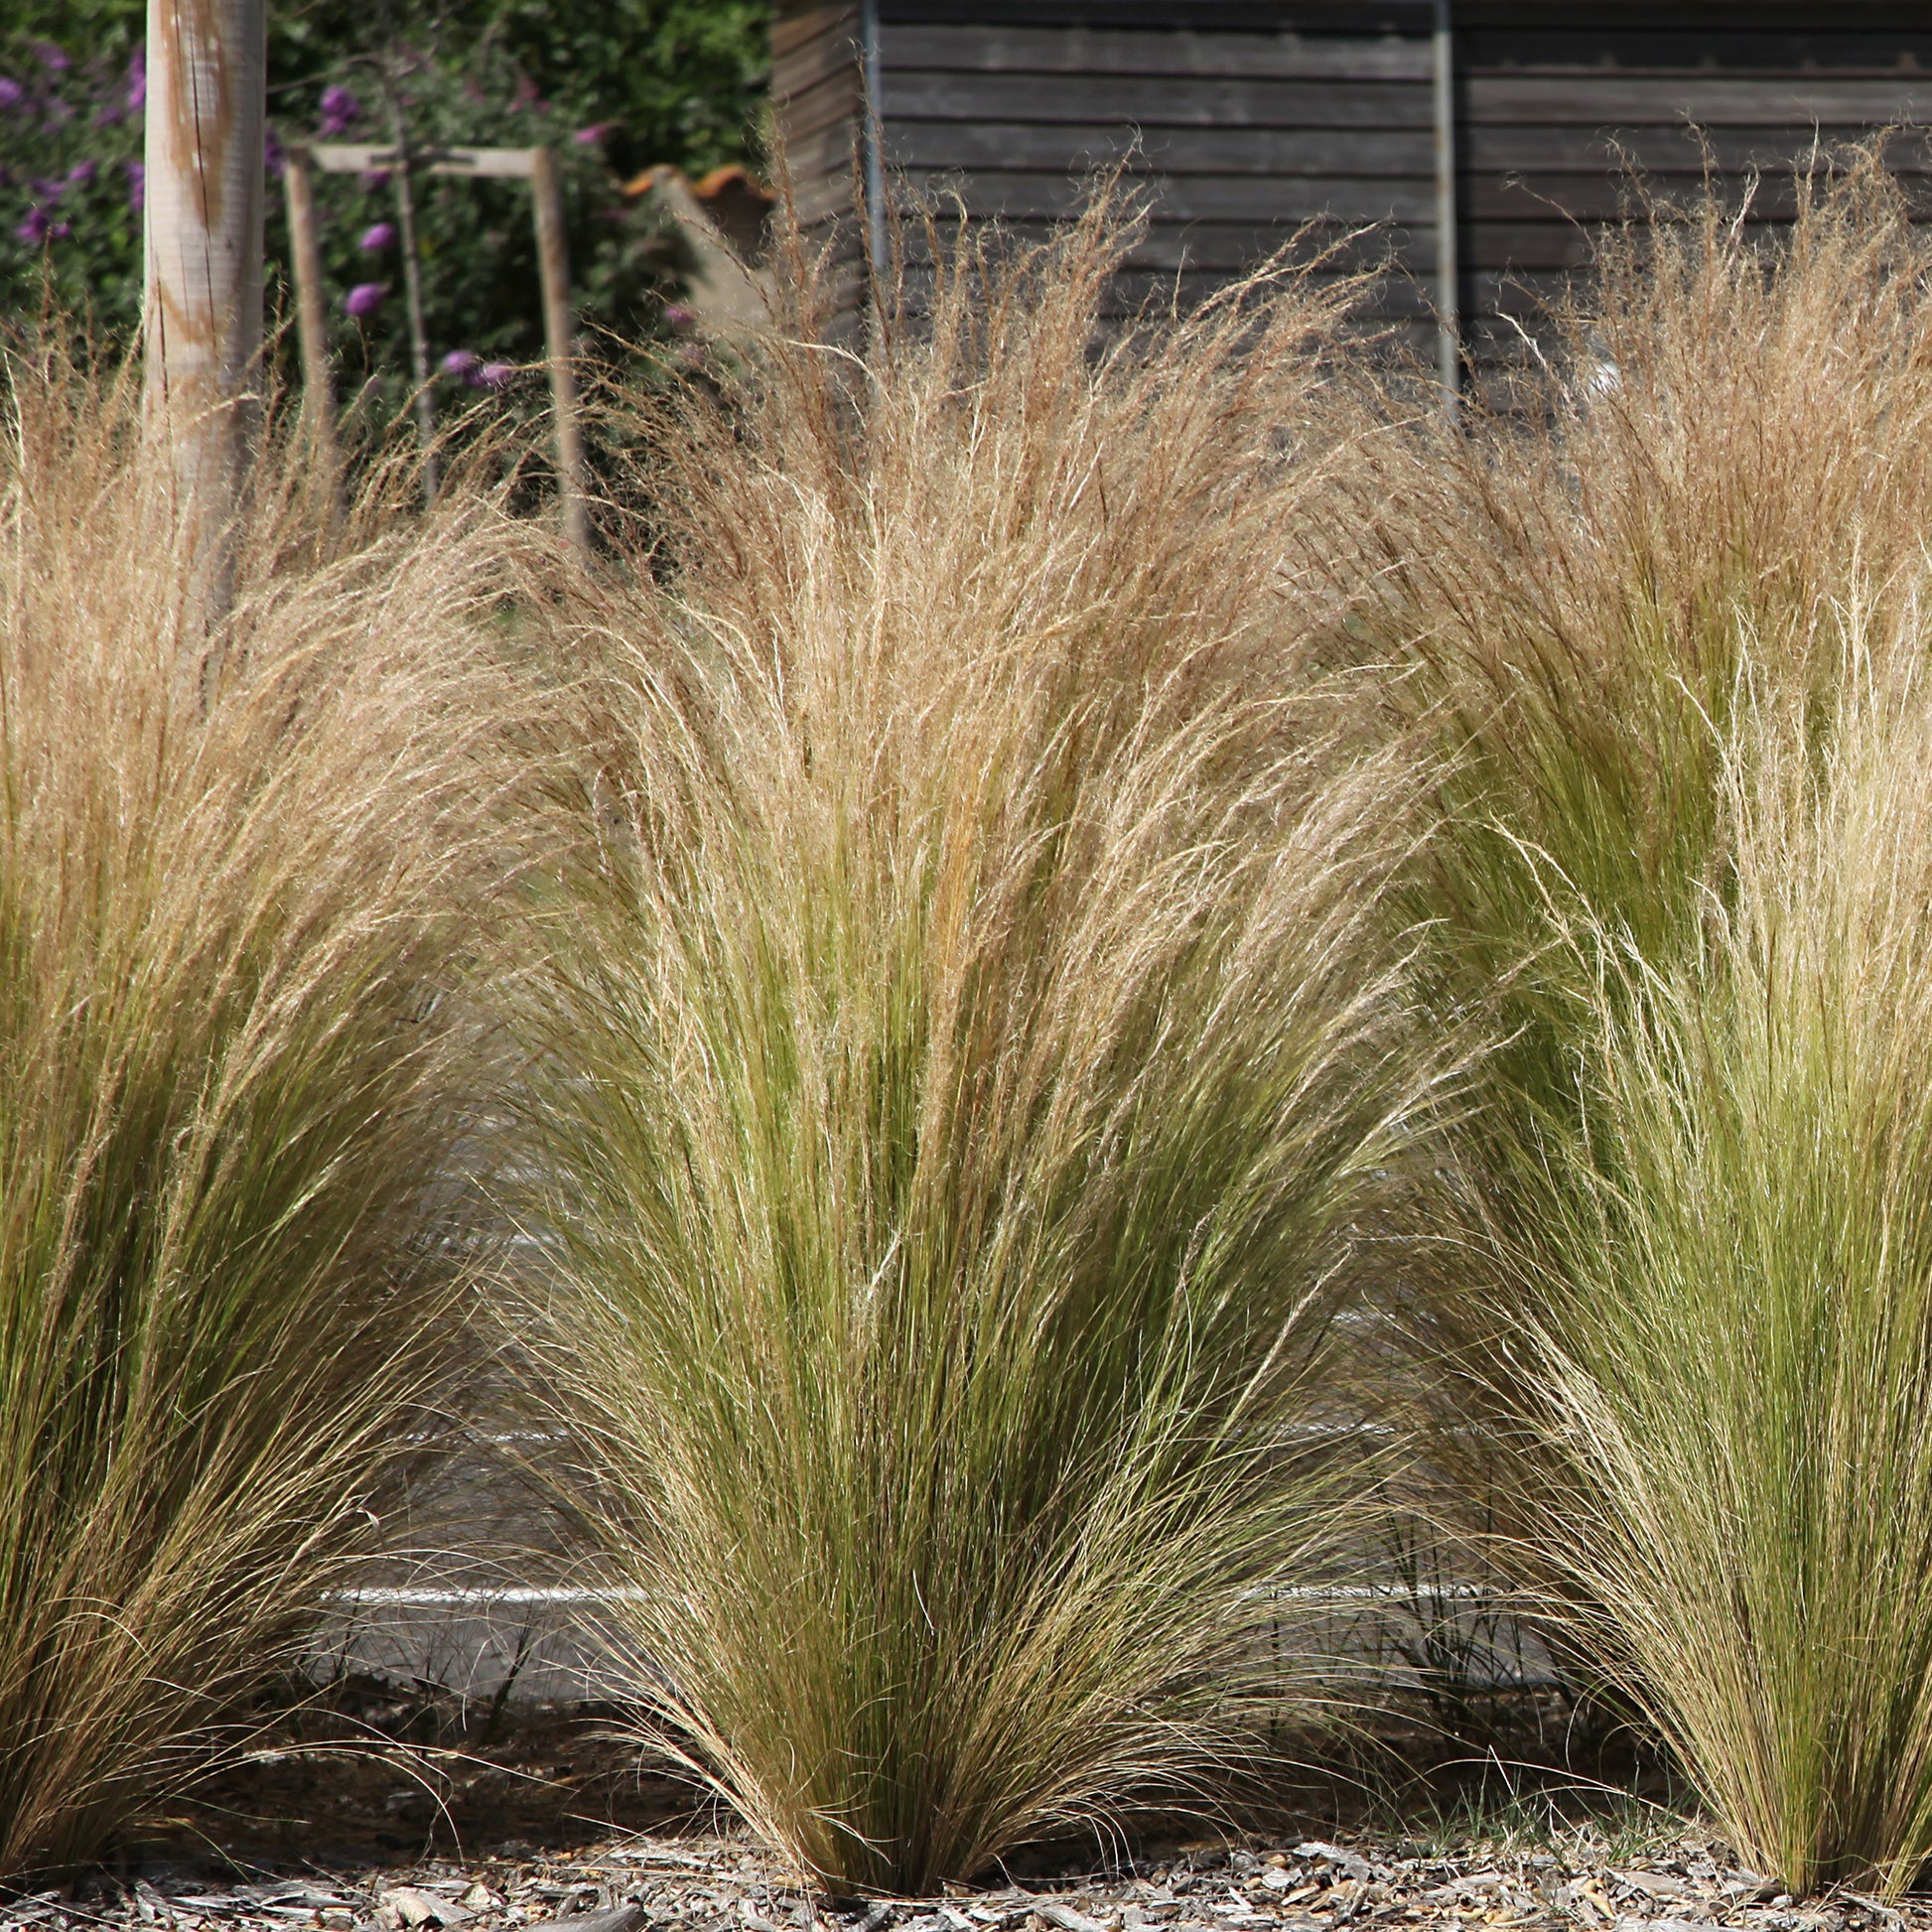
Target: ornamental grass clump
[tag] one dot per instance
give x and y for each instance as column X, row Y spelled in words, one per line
column 970, row 1032
column 1727, row 1309
column 238, row 875
column 1730, row 433
column 1668, row 619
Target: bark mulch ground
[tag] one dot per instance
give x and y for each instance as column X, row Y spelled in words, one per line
column 552, row 1826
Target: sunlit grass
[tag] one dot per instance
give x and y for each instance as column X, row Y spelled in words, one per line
column 973, row 1024
column 1670, row 624
column 237, row 875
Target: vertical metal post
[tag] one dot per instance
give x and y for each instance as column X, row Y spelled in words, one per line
column 553, row 261
column 311, row 317
column 873, row 107
column 202, row 266
column 1448, row 276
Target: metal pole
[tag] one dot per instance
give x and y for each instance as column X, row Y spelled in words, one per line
column 1449, row 339
column 553, row 261
column 202, row 266
column 311, row 318
column 874, row 108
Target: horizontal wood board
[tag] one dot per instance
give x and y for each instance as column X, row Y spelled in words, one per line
column 816, row 96
column 1241, row 122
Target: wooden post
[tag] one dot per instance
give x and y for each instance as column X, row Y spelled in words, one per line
column 202, row 302
column 311, row 317
column 405, row 177
column 553, row 262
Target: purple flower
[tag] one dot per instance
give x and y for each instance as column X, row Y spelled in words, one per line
column 372, row 179
column 59, row 231
column 341, row 110
column 137, row 81
column 527, row 95
column 495, row 375
column 376, row 239
column 12, row 93
column 677, row 316
column 462, row 364
column 137, row 184
column 38, row 225
column 52, row 57
column 273, row 159
column 589, row 137
column 83, row 172
column 364, row 299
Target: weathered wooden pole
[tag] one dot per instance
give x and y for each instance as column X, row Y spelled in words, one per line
column 311, row 317
column 553, row 264
column 202, row 307
column 403, row 177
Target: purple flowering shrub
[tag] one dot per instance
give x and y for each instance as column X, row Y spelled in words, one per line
column 70, row 181
column 607, row 94
column 483, row 315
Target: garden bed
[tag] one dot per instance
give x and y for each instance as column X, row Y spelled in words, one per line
column 1597, row 1874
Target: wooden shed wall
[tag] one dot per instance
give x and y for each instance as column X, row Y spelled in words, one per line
column 1245, row 118
column 817, row 93
column 1551, row 98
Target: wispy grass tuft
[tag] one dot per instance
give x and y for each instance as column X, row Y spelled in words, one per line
column 1731, row 1364
column 238, row 874
column 970, row 1028
column 1672, row 624
column 1729, row 433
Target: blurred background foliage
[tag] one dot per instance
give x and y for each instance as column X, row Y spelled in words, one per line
column 613, row 86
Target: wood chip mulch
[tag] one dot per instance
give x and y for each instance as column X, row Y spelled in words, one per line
column 635, row 1882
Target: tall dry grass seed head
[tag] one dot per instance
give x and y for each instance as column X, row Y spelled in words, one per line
column 1643, row 608
column 239, row 876
column 1725, row 1352
column 970, row 1028
column 1730, row 430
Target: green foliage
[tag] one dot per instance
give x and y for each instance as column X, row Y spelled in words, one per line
column 663, row 80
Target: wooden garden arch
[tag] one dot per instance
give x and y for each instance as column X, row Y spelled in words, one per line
column 538, row 166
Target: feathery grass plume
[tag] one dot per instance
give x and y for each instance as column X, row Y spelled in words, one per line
column 1728, row 1359
column 971, row 1024
column 233, row 903
column 1729, row 432
column 1622, row 597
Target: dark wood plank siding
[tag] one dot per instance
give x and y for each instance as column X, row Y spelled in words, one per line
column 816, row 94
column 1556, row 101
column 1241, row 120
column 1239, row 127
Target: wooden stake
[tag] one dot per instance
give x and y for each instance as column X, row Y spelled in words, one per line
column 404, row 178
column 202, row 302
column 311, row 320
column 553, row 261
